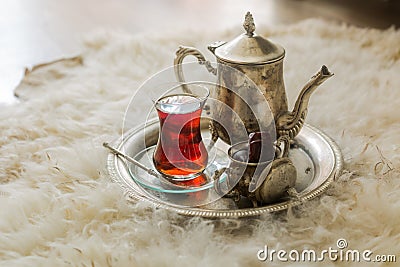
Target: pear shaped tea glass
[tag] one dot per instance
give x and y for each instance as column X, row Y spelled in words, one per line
column 180, row 152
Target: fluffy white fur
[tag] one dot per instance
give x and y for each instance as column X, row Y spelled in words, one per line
column 59, row 208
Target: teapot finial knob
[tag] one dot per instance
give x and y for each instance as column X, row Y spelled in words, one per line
column 248, row 24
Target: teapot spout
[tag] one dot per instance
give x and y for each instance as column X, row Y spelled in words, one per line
column 291, row 123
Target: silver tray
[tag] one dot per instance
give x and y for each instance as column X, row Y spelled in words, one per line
column 317, row 158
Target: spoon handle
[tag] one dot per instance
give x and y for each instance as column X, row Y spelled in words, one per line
column 130, row 159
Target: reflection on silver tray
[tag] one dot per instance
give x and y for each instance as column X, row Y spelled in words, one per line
column 316, row 157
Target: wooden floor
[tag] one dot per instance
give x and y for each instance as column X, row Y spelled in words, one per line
column 37, row 31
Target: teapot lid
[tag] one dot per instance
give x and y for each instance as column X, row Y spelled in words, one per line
column 249, row 48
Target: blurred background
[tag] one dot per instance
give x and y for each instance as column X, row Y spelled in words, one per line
column 39, row 31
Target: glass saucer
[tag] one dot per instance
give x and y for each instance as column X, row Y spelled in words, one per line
column 218, row 160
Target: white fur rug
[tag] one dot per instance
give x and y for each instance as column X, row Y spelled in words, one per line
column 59, row 208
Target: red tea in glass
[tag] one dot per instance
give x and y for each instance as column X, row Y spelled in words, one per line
column 180, row 153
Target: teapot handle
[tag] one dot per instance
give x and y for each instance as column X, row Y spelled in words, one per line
column 180, row 54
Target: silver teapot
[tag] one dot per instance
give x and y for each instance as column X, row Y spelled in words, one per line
column 262, row 61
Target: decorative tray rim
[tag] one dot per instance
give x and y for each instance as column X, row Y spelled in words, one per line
column 134, row 195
